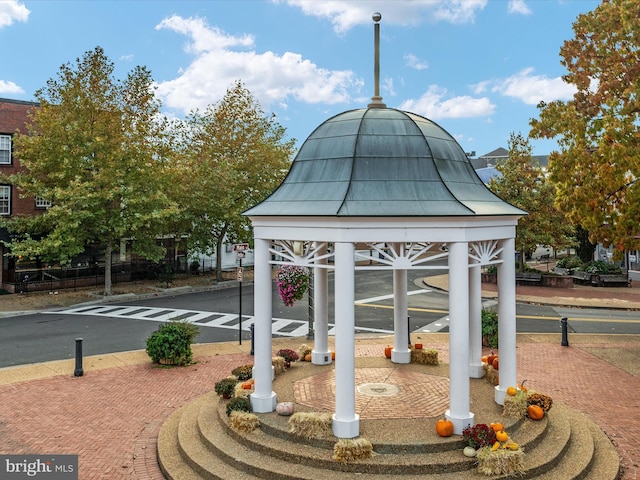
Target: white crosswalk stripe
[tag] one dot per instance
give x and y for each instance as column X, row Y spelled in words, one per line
column 279, row 326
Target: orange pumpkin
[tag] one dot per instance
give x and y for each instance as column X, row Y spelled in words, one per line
column 387, row 351
column 502, row 436
column 535, row 412
column 511, row 391
column 333, row 355
column 522, row 387
column 307, row 357
column 247, row 385
column 418, row 346
column 496, row 427
column 491, row 358
column 485, row 359
column 444, row 427
column 496, row 363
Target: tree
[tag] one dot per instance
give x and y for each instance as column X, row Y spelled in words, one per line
column 598, row 131
column 94, row 148
column 523, row 184
column 232, row 157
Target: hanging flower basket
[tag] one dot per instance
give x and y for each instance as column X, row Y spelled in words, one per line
column 293, row 282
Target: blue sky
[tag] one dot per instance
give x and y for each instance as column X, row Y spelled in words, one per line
column 476, row 67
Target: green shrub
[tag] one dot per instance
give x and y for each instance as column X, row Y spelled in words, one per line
column 490, row 327
column 602, row 268
column 239, row 404
column 226, row 387
column 569, row 262
column 171, row 343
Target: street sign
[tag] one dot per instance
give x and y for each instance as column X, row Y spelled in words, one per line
column 240, row 247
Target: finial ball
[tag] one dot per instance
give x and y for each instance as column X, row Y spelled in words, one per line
column 377, row 17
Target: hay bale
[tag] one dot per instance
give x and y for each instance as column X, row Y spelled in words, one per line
column 500, row 462
column 515, row 406
column 240, row 391
column 311, row 424
column 348, row 450
column 278, row 365
column 492, row 375
column 303, row 351
column 243, row 421
column 428, row 356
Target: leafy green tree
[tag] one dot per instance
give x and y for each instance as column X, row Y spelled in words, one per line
column 523, row 184
column 94, row 148
column 232, row 157
column 598, row 131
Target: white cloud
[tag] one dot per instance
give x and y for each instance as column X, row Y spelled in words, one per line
column 387, row 86
column 433, row 104
column 12, row 10
column 345, row 15
column 531, row 89
column 221, row 58
column 518, row 6
column 481, row 87
column 412, row 61
column 10, row 87
column 459, row 11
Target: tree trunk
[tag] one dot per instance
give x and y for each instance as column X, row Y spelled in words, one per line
column 107, row 269
column 219, row 240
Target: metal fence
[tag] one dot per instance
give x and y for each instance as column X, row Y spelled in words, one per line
column 59, row 278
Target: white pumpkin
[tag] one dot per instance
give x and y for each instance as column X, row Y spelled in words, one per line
column 284, row 408
column 469, row 451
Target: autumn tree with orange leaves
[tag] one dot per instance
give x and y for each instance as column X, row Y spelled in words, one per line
column 597, row 168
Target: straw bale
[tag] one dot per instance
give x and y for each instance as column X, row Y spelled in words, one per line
column 424, row 356
column 243, row 421
column 311, row 424
column 500, row 462
column 348, row 450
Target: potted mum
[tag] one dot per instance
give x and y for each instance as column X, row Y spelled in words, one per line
column 293, row 282
column 288, row 355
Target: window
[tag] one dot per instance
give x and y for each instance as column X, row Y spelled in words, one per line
column 5, row 199
column 42, row 203
column 5, row 149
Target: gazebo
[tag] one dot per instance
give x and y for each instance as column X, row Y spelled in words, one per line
column 394, row 183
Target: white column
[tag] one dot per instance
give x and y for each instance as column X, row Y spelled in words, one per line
column 263, row 399
column 400, row 352
column 458, row 412
column 506, row 319
column 321, row 355
column 475, row 322
column 346, row 423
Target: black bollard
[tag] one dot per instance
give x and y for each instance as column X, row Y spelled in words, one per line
column 78, row 372
column 565, row 339
column 252, row 339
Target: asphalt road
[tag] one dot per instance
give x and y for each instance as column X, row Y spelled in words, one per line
column 107, row 328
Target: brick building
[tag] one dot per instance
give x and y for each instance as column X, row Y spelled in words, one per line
column 14, row 115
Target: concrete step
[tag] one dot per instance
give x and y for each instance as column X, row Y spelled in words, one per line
column 559, row 446
column 319, row 454
column 170, row 460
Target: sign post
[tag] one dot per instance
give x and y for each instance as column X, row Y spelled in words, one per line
column 240, row 249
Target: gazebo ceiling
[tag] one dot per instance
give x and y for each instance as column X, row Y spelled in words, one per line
column 381, row 162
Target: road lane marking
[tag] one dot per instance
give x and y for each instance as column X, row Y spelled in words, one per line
column 387, row 297
column 280, row 326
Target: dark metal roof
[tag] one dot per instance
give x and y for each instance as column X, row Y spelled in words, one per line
column 381, row 162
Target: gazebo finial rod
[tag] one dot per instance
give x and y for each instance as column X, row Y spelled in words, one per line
column 376, row 100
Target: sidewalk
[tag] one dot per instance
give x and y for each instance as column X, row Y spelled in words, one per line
column 111, row 416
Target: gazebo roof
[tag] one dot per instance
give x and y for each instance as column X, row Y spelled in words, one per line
column 382, row 162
